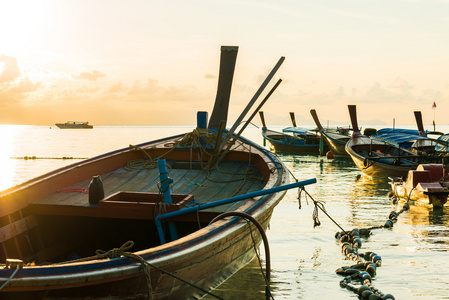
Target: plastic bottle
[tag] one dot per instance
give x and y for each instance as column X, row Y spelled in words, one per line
column 96, row 191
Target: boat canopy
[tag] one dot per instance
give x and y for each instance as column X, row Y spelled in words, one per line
column 398, row 130
column 298, row 130
column 445, row 139
column 398, row 138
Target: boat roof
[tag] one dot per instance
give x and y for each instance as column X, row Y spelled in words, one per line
column 398, row 130
column 397, row 137
column 444, row 146
column 444, row 137
column 297, row 130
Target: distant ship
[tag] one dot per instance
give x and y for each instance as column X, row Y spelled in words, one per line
column 74, row 125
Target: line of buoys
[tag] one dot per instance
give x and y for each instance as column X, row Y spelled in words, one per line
column 366, row 263
column 35, row 157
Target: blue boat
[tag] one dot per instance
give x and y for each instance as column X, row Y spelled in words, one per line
column 294, row 140
column 419, row 141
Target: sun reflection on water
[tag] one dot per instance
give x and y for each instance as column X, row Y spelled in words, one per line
column 8, row 134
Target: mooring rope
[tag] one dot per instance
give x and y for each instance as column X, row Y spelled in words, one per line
column 249, row 218
column 318, row 205
column 118, row 252
column 350, row 243
column 256, row 250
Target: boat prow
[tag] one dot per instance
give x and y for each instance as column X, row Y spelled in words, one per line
column 335, row 140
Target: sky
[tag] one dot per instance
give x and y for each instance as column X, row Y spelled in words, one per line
column 156, row 62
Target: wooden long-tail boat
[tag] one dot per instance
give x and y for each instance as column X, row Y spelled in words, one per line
column 155, row 244
column 417, row 141
column 427, row 185
column 335, row 139
column 378, row 158
column 437, row 146
column 293, row 140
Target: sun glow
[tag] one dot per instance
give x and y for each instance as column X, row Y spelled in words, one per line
column 20, row 21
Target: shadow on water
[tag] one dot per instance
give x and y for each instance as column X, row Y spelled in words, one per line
column 247, row 283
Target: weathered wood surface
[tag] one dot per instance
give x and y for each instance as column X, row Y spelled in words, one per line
column 229, row 179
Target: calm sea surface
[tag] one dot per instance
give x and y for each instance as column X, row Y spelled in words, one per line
column 415, row 258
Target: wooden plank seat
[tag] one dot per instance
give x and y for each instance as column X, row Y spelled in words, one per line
column 128, row 205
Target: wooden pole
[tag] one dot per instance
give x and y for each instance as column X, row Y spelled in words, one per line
column 292, row 117
column 353, row 116
column 419, row 123
column 227, row 65
column 315, row 118
column 251, row 117
column 253, row 100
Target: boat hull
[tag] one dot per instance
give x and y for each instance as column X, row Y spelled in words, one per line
column 284, row 143
column 436, row 198
column 73, row 126
column 363, row 152
column 211, row 265
column 336, row 144
column 427, row 185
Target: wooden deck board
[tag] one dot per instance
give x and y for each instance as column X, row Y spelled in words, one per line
column 70, row 198
column 224, row 187
column 193, row 180
column 137, row 180
column 206, row 186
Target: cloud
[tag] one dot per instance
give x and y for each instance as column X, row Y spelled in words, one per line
column 9, row 70
column 116, row 88
column 24, row 86
column 376, row 93
column 340, row 93
column 401, row 85
column 14, row 86
column 43, row 97
column 91, row 76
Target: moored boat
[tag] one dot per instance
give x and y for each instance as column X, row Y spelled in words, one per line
column 376, row 158
column 427, row 185
column 419, row 141
column 293, row 140
column 74, row 125
column 335, row 139
column 157, row 244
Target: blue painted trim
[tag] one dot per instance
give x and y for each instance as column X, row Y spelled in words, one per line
column 225, row 201
column 165, row 182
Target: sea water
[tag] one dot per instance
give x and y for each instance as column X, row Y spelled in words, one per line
column 304, row 258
